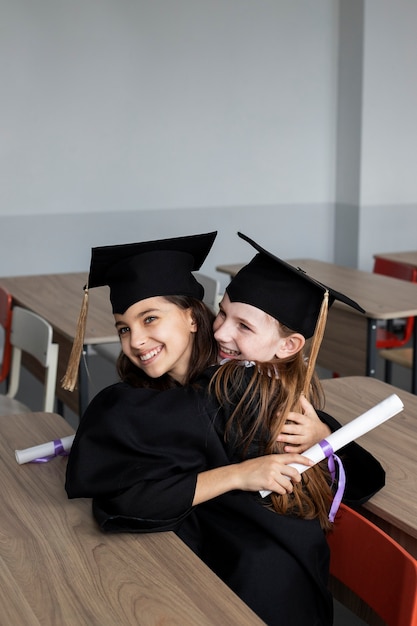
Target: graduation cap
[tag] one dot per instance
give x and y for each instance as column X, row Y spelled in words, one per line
column 283, row 291
column 142, row 270
column 136, row 271
column 289, row 295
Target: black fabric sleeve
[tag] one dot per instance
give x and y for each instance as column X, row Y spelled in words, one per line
column 138, row 452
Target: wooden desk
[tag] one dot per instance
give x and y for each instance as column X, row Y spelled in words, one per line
column 408, row 258
column 57, row 567
column 394, row 444
column 349, row 343
column 57, row 298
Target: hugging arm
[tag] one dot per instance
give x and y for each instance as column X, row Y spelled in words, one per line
column 148, row 457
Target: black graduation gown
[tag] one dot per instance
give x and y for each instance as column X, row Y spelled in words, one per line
column 277, row 564
column 296, row 593
column 137, row 453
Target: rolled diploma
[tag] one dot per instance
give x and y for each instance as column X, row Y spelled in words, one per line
column 44, row 449
column 362, row 424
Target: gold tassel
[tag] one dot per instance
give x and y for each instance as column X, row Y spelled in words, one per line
column 70, row 378
column 316, row 343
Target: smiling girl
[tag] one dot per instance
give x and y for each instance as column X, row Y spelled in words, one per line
column 167, row 342
column 150, row 450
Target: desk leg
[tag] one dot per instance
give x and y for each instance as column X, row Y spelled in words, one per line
column 371, row 352
column 414, row 363
column 83, row 383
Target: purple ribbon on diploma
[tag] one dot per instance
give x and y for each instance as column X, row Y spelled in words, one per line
column 331, row 459
column 59, row 450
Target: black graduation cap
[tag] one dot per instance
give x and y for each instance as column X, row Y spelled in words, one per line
column 142, row 270
column 136, row 271
column 285, row 292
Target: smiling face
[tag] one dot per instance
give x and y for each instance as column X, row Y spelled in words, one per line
column 157, row 336
column 244, row 332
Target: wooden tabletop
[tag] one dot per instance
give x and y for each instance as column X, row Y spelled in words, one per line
column 409, row 258
column 58, row 297
column 393, row 443
column 57, row 567
column 382, row 297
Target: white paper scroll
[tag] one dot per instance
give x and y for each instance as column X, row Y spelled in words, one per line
column 362, row 424
column 43, row 450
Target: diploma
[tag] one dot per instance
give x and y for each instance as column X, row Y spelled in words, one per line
column 45, row 450
column 362, row 424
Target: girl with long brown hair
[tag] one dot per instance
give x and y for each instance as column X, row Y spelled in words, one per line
column 152, row 447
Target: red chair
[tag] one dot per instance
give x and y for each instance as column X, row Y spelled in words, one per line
column 376, row 568
column 6, row 323
column 386, row 338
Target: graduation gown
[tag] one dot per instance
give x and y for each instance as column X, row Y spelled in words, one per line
column 137, row 453
column 277, row 564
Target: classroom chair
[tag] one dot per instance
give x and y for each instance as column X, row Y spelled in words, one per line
column 6, row 324
column 111, row 351
column 31, row 335
column 374, row 567
column 386, row 338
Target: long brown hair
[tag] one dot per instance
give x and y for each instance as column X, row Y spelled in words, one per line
column 260, row 410
column 204, row 350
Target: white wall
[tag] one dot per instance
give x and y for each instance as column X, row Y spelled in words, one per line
column 62, row 243
column 125, row 120
column 166, row 104
column 376, row 207
column 389, row 166
column 220, row 112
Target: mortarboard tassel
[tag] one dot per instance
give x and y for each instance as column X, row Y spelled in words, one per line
column 316, row 342
column 70, row 378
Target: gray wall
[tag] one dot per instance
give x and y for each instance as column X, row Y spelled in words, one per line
column 376, row 196
column 125, row 120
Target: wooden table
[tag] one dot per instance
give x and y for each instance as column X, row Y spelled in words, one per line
column 408, row 258
column 57, row 567
column 349, row 343
column 57, row 298
column 394, row 444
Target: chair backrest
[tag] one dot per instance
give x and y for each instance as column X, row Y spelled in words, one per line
column 374, row 567
column 395, row 269
column 211, row 290
column 32, row 334
column 6, row 323
column 401, row 271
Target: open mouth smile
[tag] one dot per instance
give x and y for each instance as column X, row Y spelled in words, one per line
column 150, row 354
column 231, row 353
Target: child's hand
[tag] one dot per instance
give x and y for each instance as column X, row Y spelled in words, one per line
column 270, row 473
column 304, row 430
